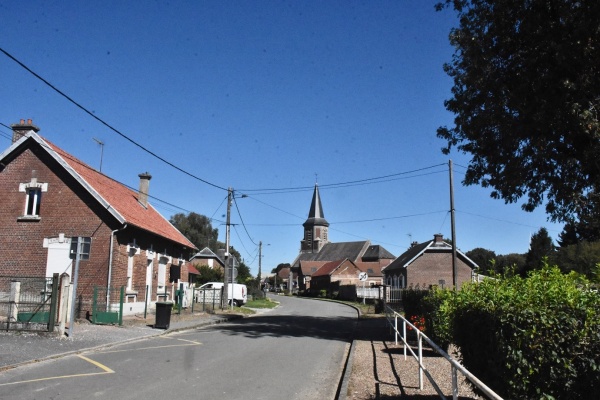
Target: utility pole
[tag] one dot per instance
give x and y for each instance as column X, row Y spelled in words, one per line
column 454, row 271
column 259, row 261
column 226, row 268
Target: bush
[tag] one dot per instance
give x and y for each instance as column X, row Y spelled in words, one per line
column 437, row 307
column 412, row 302
column 535, row 337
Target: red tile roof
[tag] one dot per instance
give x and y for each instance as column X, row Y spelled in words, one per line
column 328, row 268
column 307, row 266
column 121, row 198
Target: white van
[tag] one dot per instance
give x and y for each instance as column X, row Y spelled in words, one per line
column 239, row 293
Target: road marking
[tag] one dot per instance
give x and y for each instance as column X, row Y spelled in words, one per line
column 97, row 364
column 103, row 367
column 188, row 343
column 49, row 378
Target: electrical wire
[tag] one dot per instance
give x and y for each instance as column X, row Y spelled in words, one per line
column 91, row 114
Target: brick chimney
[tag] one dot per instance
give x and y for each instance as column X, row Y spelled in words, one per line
column 20, row 129
column 144, row 188
column 438, row 239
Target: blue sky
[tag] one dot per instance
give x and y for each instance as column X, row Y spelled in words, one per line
column 259, row 95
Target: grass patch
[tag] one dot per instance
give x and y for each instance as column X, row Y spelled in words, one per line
column 261, row 303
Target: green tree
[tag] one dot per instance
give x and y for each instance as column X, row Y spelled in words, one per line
column 580, row 257
column 197, row 228
column 526, row 98
column 244, row 275
column 540, row 249
column 513, row 262
column 484, row 259
column 208, row 274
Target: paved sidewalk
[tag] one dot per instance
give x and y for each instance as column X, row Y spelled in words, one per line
column 18, row 348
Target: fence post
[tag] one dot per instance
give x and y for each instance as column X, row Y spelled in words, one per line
column 94, row 304
column 53, row 302
column 420, row 359
column 454, row 384
column 121, row 301
column 63, row 312
column 396, row 328
column 146, row 304
column 404, row 337
column 193, row 297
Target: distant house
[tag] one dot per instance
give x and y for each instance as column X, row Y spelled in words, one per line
column 49, row 198
column 427, row 264
column 306, row 269
column 206, row 257
column 374, row 271
column 316, row 250
column 334, row 274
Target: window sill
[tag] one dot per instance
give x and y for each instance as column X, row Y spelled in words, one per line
column 29, row 218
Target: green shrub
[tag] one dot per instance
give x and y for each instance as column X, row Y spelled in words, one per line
column 412, row 302
column 438, row 307
column 535, row 337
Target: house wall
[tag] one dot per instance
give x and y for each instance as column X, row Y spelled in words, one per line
column 431, row 267
column 67, row 210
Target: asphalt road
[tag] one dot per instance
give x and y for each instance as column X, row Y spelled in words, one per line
column 296, row 351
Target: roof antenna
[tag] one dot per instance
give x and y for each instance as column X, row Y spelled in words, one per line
column 101, row 143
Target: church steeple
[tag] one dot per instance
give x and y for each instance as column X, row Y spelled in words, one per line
column 315, row 227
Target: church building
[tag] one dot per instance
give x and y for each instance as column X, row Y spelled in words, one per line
column 316, row 250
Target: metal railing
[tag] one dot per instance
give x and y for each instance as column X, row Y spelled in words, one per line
column 393, row 317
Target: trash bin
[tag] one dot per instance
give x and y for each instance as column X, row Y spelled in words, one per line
column 163, row 314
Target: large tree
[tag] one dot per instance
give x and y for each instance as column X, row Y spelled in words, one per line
column 526, row 98
column 484, row 258
column 540, row 249
column 197, row 228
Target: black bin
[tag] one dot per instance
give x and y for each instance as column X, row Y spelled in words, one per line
column 163, row 314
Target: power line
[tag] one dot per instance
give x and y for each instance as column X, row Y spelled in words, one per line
column 378, row 179
column 91, row 114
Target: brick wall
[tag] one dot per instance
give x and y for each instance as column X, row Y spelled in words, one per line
column 432, row 266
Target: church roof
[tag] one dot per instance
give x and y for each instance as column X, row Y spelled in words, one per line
column 335, row 251
column 316, row 215
column 376, row 252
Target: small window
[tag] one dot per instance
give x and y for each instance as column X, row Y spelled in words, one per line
column 33, row 198
column 32, row 202
column 84, row 248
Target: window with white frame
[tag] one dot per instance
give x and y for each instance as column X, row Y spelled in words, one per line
column 33, row 197
column 132, row 250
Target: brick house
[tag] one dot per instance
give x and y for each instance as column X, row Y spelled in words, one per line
column 334, row 274
column 50, row 197
column 427, row 264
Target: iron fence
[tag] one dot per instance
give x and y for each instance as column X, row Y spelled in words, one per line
column 28, row 303
column 394, row 319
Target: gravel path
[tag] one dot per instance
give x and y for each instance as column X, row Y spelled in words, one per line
column 379, row 370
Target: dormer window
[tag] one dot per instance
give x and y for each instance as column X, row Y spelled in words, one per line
column 33, row 198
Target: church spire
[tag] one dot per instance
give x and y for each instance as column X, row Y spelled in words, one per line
column 316, row 226
column 316, row 209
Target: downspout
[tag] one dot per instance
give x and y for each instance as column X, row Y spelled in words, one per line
column 110, row 260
